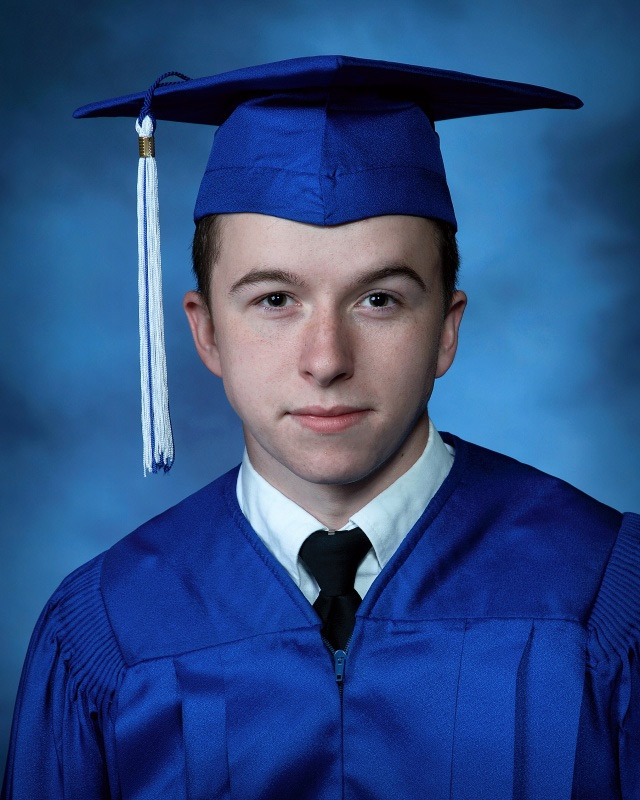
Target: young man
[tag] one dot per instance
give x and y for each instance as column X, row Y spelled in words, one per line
column 365, row 609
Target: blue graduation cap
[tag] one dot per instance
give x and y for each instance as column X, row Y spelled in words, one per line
column 323, row 140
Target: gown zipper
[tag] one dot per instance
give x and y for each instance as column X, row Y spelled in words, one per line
column 339, row 663
column 339, row 659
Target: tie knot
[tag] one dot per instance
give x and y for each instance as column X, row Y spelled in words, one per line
column 333, row 559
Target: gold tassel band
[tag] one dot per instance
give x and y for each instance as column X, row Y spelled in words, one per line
column 146, row 146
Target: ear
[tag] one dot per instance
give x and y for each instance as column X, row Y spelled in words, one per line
column 203, row 331
column 449, row 335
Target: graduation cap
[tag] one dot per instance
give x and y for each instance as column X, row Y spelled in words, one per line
column 323, row 140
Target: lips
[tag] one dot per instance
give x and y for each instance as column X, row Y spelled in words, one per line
column 319, row 411
column 328, row 420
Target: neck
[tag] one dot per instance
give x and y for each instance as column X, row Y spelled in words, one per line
column 334, row 504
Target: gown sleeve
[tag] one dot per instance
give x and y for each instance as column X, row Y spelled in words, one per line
column 61, row 732
column 615, row 621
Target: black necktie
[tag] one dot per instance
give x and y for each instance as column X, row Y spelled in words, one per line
column 333, row 560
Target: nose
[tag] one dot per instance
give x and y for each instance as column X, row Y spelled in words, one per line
column 327, row 348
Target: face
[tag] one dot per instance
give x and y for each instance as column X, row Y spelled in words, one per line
column 328, row 341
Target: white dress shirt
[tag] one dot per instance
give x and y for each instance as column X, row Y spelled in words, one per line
column 387, row 519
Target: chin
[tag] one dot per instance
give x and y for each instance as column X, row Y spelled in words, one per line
column 333, row 472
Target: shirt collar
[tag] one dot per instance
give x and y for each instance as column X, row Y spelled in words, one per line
column 283, row 525
column 389, row 517
column 279, row 522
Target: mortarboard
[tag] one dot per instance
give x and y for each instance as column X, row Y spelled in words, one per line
column 323, row 140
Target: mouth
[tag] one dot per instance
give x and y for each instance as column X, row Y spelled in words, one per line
column 328, row 420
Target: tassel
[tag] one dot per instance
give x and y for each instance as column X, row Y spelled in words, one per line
column 157, row 436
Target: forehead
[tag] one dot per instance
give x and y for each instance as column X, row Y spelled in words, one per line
column 251, row 240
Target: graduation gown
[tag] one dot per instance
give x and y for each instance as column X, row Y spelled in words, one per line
column 495, row 656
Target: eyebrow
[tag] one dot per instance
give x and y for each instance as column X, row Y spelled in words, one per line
column 266, row 275
column 390, row 271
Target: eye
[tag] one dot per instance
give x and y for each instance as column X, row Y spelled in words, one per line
column 276, row 300
column 379, row 300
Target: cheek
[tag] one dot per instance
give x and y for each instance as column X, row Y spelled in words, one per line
column 411, row 366
column 413, row 354
column 252, row 369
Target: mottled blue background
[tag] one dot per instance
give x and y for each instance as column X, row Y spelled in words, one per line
column 548, row 369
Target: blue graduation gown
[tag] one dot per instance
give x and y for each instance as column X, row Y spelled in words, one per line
column 495, row 656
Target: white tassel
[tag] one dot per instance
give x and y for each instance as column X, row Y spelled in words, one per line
column 157, row 437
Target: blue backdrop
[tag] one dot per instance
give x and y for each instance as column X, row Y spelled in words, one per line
column 548, row 368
